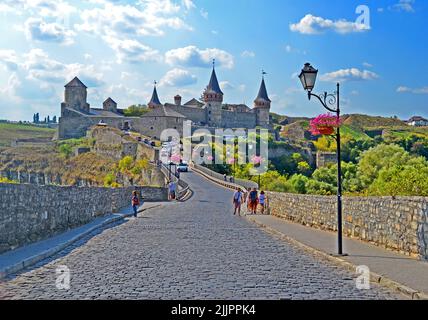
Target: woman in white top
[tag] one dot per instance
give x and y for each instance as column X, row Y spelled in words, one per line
column 262, row 201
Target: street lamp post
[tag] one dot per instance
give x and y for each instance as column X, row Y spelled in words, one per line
column 169, row 164
column 331, row 102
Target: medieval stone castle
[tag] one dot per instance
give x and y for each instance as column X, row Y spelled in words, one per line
column 77, row 116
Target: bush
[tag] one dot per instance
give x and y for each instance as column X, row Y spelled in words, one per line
column 66, row 150
column 126, row 164
column 6, row 180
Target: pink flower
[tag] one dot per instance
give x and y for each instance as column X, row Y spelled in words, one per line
column 176, row 158
column 210, row 158
column 256, row 159
column 231, row 161
column 324, row 120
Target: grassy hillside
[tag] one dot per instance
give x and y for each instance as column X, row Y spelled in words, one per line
column 362, row 121
column 11, row 131
column 359, row 127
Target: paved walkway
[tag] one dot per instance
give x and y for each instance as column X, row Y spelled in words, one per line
column 397, row 267
column 20, row 258
column 191, row 250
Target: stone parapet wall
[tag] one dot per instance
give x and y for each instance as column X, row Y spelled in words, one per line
column 399, row 224
column 29, row 213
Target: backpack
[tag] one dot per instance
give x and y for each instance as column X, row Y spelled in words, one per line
column 135, row 201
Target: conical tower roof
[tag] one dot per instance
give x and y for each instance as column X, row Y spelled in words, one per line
column 263, row 95
column 213, row 85
column 155, row 98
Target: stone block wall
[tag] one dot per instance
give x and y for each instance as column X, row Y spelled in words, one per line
column 29, row 213
column 325, row 158
column 232, row 119
column 399, row 224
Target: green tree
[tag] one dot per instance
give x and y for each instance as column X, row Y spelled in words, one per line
column 402, row 180
column 320, row 188
column 304, row 168
column 126, row 164
column 66, row 150
column 136, row 111
column 381, row 157
column 325, row 143
column 298, row 183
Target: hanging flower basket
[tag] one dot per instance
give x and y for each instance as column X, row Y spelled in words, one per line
column 324, row 124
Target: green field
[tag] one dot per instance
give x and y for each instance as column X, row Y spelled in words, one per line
column 11, row 131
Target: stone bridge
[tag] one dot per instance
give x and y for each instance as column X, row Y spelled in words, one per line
column 194, row 249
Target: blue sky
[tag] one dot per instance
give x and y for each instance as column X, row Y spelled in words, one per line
column 118, row 48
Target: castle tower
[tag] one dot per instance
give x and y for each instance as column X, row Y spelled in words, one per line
column 75, row 96
column 213, row 98
column 262, row 105
column 110, row 105
column 154, row 101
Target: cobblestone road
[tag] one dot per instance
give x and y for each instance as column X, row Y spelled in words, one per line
column 192, row 250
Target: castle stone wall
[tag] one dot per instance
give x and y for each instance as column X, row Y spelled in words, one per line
column 29, row 213
column 232, row 119
column 197, row 115
column 399, row 224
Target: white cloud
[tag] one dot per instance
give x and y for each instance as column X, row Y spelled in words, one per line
column 289, row 49
column 226, row 85
column 310, row 24
column 367, row 65
column 178, row 77
column 192, row 56
column 131, row 51
column 126, row 20
column 352, row 74
column 37, row 66
column 45, row 8
column 188, row 4
column 39, row 30
column 404, row 5
column 204, row 13
column 403, row 89
column 9, row 59
column 248, row 54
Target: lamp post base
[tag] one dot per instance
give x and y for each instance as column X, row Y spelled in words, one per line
column 336, row 255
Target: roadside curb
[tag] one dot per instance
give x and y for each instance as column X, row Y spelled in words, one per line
column 48, row 253
column 224, row 184
column 374, row 277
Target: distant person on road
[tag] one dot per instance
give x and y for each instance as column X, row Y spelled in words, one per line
column 225, row 177
column 172, row 189
column 135, row 203
column 253, row 201
column 262, row 201
column 237, row 201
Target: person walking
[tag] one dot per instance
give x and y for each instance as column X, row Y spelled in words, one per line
column 253, row 199
column 135, row 202
column 262, row 201
column 237, row 201
column 171, row 189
